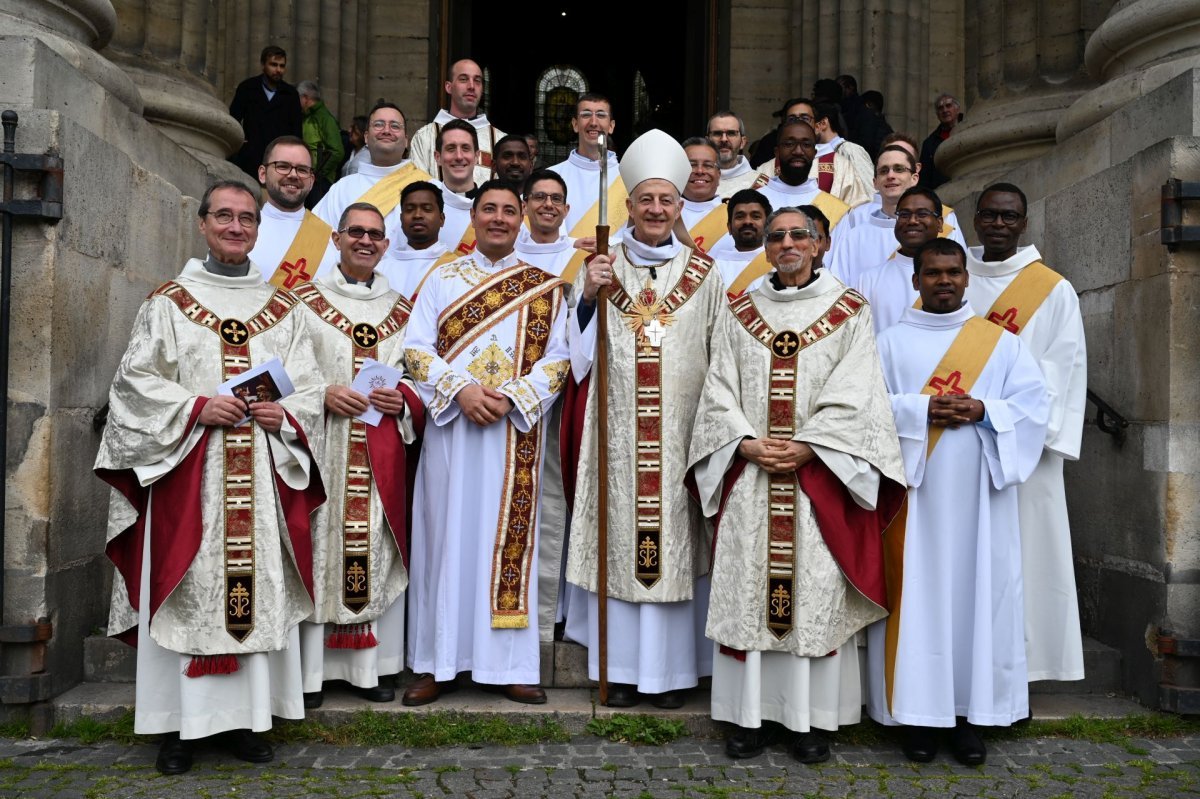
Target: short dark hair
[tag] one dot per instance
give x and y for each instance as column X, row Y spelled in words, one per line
column 423, row 185
column 519, row 138
column 592, row 97
column 362, row 123
column 728, row 113
column 456, row 124
column 278, row 141
column 922, row 191
column 831, row 112
column 827, row 89
column 938, row 246
column 816, row 213
column 495, row 184
column 896, row 148
column 270, row 51
column 698, row 141
column 1004, row 188
column 873, row 99
column 897, row 136
column 746, row 197
column 206, row 200
column 791, row 101
column 783, row 123
column 544, row 174
column 382, row 104
column 358, row 207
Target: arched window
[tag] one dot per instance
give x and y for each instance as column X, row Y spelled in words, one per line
column 558, row 89
column 641, row 103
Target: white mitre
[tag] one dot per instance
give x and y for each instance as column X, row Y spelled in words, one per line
column 655, row 154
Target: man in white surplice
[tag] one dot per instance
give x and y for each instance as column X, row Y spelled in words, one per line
column 356, row 633
column 287, row 177
column 211, row 581
column 593, row 118
column 465, row 90
column 665, row 300
column 795, row 453
column 1012, row 287
column 487, row 346
column 971, row 409
column 422, row 214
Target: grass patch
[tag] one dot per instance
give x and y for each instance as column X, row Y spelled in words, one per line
column 638, row 729
column 90, row 731
column 1103, row 731
column 422, row 730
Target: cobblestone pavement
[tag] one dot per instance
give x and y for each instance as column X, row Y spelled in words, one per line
column 591, row 768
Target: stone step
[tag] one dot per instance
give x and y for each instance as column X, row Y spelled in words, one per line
column 1101, row 669
column 572, row 708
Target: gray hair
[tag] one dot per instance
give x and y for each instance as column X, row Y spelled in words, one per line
column 787, row 209
column 946, row 96
column 741, row 124
column 309, row 89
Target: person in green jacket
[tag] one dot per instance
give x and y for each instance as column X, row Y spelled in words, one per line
column 321, row 132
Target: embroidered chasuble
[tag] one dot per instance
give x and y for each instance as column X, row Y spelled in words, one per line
column 231, row 555
column 954, row 643
column 659, row 325
column 473, row 568
column 797, row 561
column 360, row 542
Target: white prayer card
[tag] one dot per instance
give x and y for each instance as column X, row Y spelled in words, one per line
column 374, row 375
column 268, row 382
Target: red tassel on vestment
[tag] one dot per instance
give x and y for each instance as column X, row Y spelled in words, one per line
column 351, row 636
column 204, row 665
column 736, row 654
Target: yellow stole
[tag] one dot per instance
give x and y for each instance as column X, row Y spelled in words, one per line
column 1017, row 304
column 466, row 245
column 300, row 262
column 956, row 373
column 618, row 215
column 710, row 228
column 385, row 194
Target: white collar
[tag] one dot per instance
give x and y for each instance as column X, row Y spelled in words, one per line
column 509, row 260
column 369, row 170
column 824, row 282
column 937, row 321
column 406, row 253
column 336, row 282
column 1023, row 257
column 588, row 165
column 525, row 243
column 737, row 170
column 458, row 202
column 271, row 211
column 702, row 205
column 194, row 270
column 644, row 255
column 479, row 121
column 808, row 187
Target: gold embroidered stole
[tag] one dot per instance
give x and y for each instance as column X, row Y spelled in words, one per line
column 618, row 215
column 785, row 347
column 710, row 228
column 365, row 339
column 238, row 448
column 308, row 247
column 647, row 317
column 1021, row 299
column 956, row 373
column 534, row 296
column 385, row 194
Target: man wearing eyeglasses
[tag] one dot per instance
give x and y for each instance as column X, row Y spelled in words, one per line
column 888, row 285
column 464, row 87
column 795, row 454
column 209, row 522
column 291, row 240
column 727, row 132
column 593, row 118
column 544, row 244
column 356, row 632
column 703, row 212
column 1012, row 287
column 795, row 152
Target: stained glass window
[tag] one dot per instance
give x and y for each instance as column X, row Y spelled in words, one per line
column 558, row 89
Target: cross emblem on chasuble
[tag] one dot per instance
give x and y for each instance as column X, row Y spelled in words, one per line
column 784, row 344
column 233, row 332
column 1007, row 320
column 655, row 332
column 365, row 334
column 947, row 385
column 296, row 273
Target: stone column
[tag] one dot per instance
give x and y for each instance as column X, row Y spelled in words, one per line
column 1141, row 45
column 163, row 45
column 1025, row 66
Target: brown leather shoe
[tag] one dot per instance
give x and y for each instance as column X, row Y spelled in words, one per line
column 526, row 694
column 426, row 689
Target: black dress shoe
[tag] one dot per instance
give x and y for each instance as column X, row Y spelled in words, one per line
column 248, row 746
column 810, row 747
column 669, row 700
column 313, row 700
column 380, row 693
column 747, row 742
column 967, row 746
column 622, row 695
column 174, row 755
column 920, row 744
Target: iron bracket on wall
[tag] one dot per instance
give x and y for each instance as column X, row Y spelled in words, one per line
column 1107, row 419
column 1175, row 193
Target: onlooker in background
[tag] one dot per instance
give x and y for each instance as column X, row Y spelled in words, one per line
column 535, row 163
column 853, row 110
column 873, row 126
column 358, row 141
column 321, row 133
column 949, row 114
column 267, row 107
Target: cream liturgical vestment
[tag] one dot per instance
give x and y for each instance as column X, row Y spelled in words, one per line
column 359, row 534
column 552, row 257
column 458, row 218
column 424, row 142
column 1026, row 297
column 739, row 176
column 659, row 324
column 208, row 526
column 473, row 569
column 731, row 261
column 797, row 564
column 954, row 643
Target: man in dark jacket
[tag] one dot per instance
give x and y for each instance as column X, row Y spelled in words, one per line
column 949, row 114
column 267, row 107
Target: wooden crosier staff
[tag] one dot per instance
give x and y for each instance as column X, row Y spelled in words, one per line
column 601, row 366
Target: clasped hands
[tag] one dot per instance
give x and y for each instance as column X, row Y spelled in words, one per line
column 955, row 410
column 225, row 411
column 774, row 455
column 345, row 401
column 483, row 405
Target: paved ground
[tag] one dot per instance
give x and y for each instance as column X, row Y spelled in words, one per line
column 591, row 768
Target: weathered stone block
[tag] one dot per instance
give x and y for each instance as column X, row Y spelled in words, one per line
column 570, row 665
column 1092, row 255
column 78, row 507
column 108, row 660
column 1162, row 114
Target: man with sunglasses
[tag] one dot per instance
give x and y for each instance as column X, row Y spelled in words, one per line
column 1011, row 287
column 795, row 453
column 356, row 632
column 209, row 520
column 291, row 240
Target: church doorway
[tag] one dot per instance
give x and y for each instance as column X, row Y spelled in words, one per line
column 657, row 62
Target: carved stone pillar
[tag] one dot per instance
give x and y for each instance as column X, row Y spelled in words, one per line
column 1025, row 66
column 1141, row 45
column 164, row 47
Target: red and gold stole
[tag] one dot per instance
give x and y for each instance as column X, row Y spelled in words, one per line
column 365, row 339
column 534, row 297
column 303, row 256
column 238, row 446
column 647, row 316
column 711, row 227
column 956, row 373
column 1017, row 304
column 785, row 347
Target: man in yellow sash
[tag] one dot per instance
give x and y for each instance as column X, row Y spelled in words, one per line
column 544, row 243
column 795, row 454
column 291, row 240
column 464, row 87
column 746, row 221
column 487, row 346
column 593, row 118
column 379, row 182
column 888, row 285
column 422, row 214
column 1011, row 287
column 456, row 155
column 665, row 300
column 703, row 213
column 971, row 408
